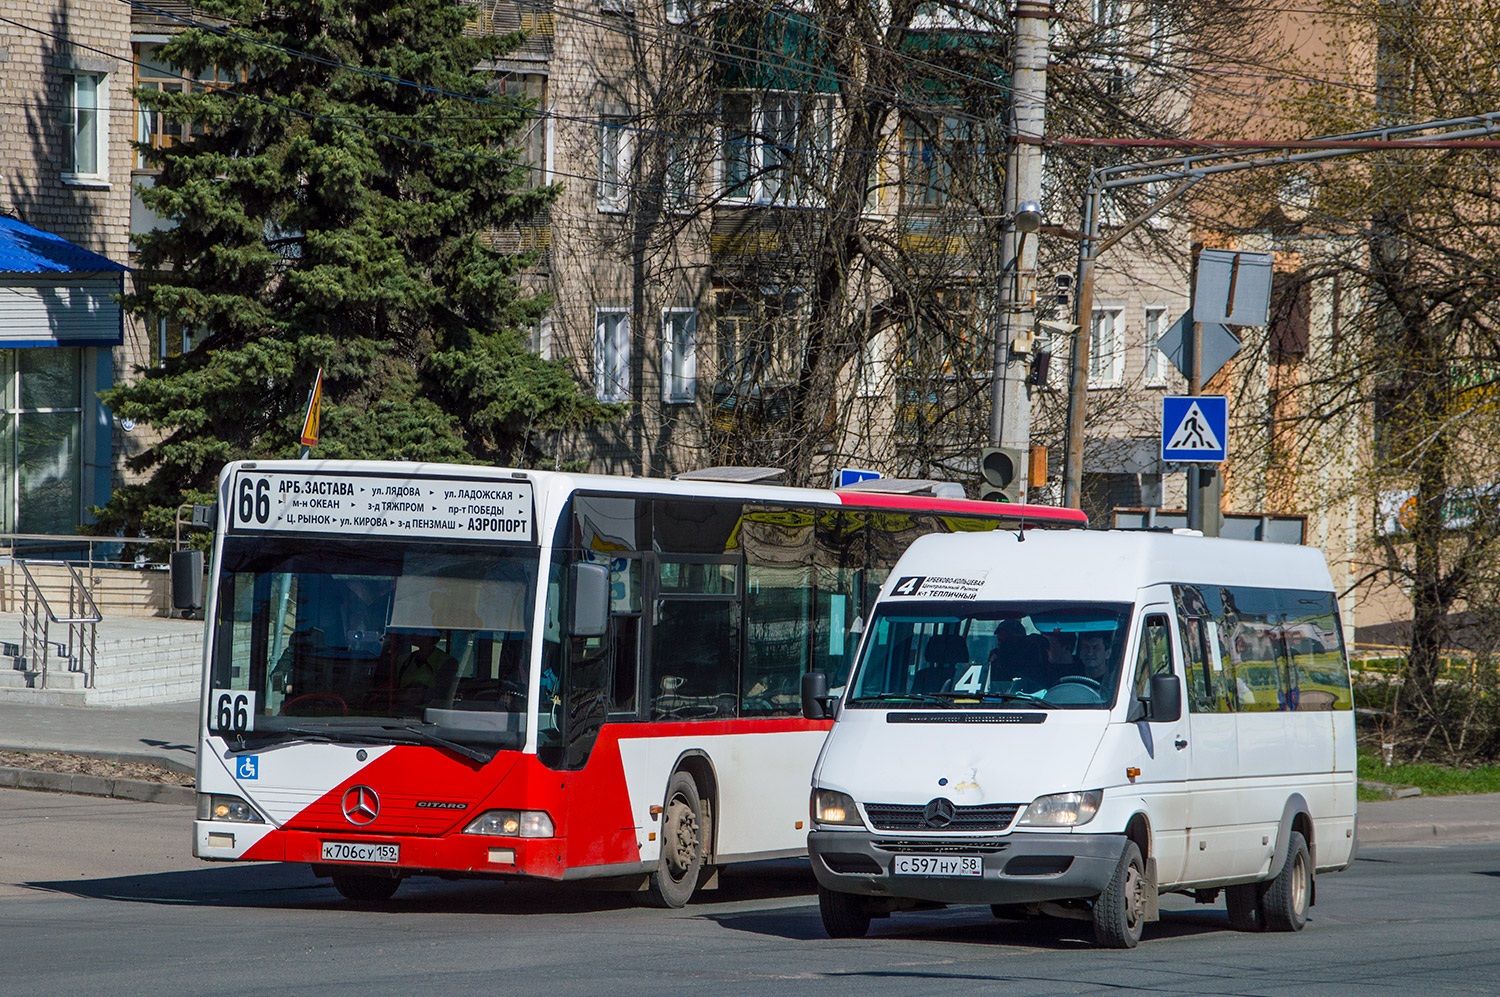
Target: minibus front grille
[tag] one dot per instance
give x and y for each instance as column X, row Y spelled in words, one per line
column 912, row 817
column 928, row 848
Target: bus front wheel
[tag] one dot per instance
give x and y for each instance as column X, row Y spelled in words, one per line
column 683, row 833
column 364, row 889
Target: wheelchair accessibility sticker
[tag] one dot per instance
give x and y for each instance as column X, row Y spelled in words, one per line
column 247, row 767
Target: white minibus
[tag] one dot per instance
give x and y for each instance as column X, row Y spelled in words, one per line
column 1073, row 723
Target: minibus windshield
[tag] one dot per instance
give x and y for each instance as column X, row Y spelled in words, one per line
column 967, row 655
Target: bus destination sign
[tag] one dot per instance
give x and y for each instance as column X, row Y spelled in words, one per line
column 364, row 505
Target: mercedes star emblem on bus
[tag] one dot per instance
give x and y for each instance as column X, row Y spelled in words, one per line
column 361, row 805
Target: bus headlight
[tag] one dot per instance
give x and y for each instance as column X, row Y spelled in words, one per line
column 1063, row 809
column 832, row 807
column 212, row 806
column 512, row 824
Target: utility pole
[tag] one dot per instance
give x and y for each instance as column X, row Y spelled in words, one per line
column 1010, row 398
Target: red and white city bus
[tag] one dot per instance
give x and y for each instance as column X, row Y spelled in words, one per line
column 439, row 669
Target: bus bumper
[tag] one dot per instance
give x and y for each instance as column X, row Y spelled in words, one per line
column 1015, row 869
column 455, row 853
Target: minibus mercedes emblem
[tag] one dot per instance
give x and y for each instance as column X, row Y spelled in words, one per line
column 361, row 805
column 938, row 813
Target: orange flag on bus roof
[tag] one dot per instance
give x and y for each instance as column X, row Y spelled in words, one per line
column 314, row 412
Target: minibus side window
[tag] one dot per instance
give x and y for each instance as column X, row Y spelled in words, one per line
column 1154, row 655
column 1193, row 626
column 1315, row 645
column 1250, row 630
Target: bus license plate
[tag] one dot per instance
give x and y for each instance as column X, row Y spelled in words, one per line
column 939, row 865
column 361, row 851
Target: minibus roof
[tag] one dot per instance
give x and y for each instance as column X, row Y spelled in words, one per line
column 1101, row 566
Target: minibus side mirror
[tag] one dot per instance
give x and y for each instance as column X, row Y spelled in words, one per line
column 1166, row 698
column 590, row 602
column 816, row 703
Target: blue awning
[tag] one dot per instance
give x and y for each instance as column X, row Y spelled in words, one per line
column 54, row 293
column 25, row 249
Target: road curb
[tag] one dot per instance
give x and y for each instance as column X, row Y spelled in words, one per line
column 1417, row 832
column 93, row 785
column 118, row 757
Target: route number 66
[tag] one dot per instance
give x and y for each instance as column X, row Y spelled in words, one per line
column 231, row 711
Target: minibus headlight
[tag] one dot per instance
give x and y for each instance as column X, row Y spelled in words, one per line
column 832, row 807
column 1063, row 809
column 213, row 806
column 512, row 824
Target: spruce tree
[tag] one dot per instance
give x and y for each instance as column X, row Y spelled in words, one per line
column 331, row 212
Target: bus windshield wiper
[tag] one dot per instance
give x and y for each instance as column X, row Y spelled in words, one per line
column 374, row 733
column 1000, row 697
column 902, row 697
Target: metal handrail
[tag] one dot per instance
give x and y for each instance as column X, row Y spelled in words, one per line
column 36, row 628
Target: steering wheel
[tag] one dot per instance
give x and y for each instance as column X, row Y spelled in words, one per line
column 1083, row 680
column 312, row 697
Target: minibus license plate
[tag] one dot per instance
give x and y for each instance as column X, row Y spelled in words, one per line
column 361, row 851
column 939, row 865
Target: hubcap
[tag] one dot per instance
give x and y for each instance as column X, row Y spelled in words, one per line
column 1135, row 901
column 1299, row 886
column 681, row 837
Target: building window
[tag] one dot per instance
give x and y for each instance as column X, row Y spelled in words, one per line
column 154, row 129
column 614, row 163
column 532, row 138
column 677, row 176
column 172, row 339
column 679, row 356
column 678, row 11
column 88, row 116
column 1105, row 340
column 41, row 440
column 612, row 355
column 1156, row 361
column 931, row 149
column 776, row 146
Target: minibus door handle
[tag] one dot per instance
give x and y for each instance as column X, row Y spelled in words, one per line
column 1181, row 743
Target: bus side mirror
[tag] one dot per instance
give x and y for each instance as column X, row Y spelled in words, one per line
column 1166, row 698
column 816, row 703
column 590, row 600
column 187, row 579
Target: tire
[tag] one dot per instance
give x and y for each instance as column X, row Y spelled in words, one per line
column 1285, row 899
column 1120, row 911
column 365, row 889
column 683, row 832
column 1243, row 904
column 844, row 914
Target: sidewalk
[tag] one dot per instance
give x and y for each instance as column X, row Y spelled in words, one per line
column 1431, row 820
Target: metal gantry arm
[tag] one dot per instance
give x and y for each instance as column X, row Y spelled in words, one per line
column 1470, row 132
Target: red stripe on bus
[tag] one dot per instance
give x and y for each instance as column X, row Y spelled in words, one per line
column 970, row 507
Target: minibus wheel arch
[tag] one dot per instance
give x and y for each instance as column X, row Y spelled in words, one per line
column 1139, row 831
column 1295, row 816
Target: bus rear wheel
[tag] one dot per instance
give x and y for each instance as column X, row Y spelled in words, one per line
column 365, row 889
column 683, row 832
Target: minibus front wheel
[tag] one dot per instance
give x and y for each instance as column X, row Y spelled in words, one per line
column 1120, row 911
column 845, row 915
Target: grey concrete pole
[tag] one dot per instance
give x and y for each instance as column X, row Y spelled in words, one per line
column 1010, row 399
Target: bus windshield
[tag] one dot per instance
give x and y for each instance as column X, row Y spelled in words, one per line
column 983, row 655
column 342, row 637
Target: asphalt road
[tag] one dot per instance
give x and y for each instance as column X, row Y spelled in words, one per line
column 101, row 896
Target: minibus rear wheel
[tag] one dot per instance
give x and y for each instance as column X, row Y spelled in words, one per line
column 1120, row 911
column 1243, row 904
column 1286, row 898
column 844, row 914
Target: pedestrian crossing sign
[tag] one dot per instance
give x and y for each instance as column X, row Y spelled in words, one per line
column 1194, row 428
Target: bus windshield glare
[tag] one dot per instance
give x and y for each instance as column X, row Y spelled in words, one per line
column 984, row 655
column 334, row 636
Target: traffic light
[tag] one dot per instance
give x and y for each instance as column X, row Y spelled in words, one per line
column 1001, row 469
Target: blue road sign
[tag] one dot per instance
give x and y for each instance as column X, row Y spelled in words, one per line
column 852, row 475
column 1194, row 428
